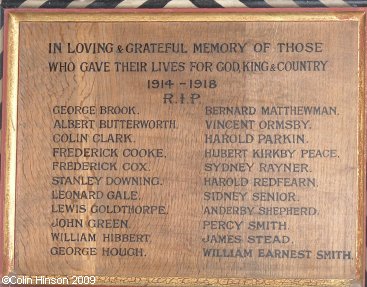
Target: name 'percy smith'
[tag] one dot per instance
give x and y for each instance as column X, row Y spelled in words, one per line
column 154, row 48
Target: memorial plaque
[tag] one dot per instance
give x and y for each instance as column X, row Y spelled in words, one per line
column 184, row 148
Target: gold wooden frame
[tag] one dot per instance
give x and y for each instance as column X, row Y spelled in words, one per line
column 15, row 17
